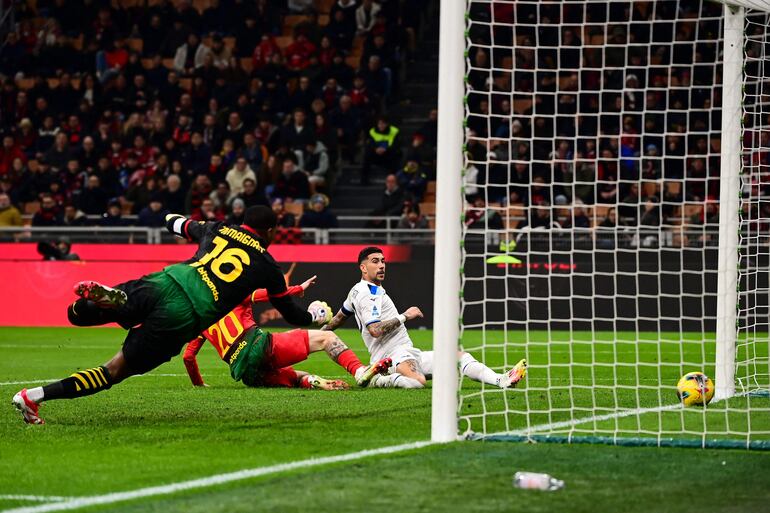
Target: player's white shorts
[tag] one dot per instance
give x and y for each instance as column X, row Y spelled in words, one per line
column 405, row 353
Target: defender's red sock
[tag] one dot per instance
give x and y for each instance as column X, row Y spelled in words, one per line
column 349, row 361
column 304, row 382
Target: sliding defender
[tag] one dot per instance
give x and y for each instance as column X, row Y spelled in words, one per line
column 385, row 335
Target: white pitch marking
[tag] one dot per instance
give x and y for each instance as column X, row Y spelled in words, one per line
column 35, row 498
column 32, row 381
column 111, row 498
column 596, row 418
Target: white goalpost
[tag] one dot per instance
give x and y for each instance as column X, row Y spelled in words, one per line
column 603, row 210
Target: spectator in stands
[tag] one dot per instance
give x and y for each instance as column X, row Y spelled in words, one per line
column 285, row 219
column 199, row 190
column 610, row 220
column 153, row 215
column 173, row 197
column 190, row 55
column 197, row 156
column 74, row 217
column 264, row 52
column 345, row 119
column 412, row 219
column 220, row 53
column 342, row 23
column 36, row 180
column 208, row 212
column 111, row 61
column 540, row 215
column 141, row 192
column 301, row 6
column 299, row 53
column 48, row 215
column 314, row 161
column 221, row 195
column 27, row 138
column 247, row 36
column 319, row 215
column 59, row 154
column 8, row 153
column 251, row 195
column 238, row 211
column 236, row 176
column 413, row 179
column 9, row 215
column 629, row 206
column 268, row 134
column 479, row 216
column 382, row 148
column 93, row 200
column 60, row 250
column 365, row 16
column 251, row 151
column 378, row 79
column 153, row 34
column 298, row 134
column 113, row 217
column 292, row 184
column 392, row 201
column 235, row 129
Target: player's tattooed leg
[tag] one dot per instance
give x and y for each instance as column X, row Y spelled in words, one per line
column 335, row 347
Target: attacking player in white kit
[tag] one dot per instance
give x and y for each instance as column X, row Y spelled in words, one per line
column 385, row 335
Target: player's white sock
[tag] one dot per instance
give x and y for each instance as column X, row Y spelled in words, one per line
column 477, row 371
column 359, row 371
column 401, row 381
column 35, row 394
column 394, row 380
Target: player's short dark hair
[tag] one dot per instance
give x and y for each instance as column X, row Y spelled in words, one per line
column 260, row 217
column 364, row 253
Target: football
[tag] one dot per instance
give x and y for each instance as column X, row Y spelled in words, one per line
column 695, row 389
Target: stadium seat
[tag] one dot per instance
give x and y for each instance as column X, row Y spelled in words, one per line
column 296, row 208
column 428, row 209
column 515, row 215
column 599, row 214
column 31, row 207
column 136, row 44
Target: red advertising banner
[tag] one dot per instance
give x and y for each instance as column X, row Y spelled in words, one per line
column 36, row 292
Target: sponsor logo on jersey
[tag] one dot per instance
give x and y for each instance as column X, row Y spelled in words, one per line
column 208, row 282
column 237, row 351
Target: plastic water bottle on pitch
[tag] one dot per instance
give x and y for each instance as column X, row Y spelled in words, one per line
column 535, row 481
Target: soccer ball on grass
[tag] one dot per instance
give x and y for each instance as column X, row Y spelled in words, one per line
column 695, row 389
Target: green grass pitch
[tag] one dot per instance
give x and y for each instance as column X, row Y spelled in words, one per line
column 157, row 429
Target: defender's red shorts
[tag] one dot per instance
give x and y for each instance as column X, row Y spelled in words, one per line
column 286, row 349
column 284, row 377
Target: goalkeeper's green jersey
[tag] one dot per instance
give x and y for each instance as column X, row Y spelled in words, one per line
column 230, row 263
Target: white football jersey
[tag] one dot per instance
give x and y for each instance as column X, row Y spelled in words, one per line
column 370, row 303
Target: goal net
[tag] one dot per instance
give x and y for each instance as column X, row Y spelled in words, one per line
column 611, row 217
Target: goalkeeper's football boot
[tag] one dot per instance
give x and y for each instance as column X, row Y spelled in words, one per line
column 28, row 409
column 320, row 383
column 381, row 367
column 513, row 376
column 102, row 295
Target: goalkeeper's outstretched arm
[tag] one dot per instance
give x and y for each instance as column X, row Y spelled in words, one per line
column 183, row 227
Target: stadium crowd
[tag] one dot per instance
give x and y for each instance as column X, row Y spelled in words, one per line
column 202, row 109
column 602, row 114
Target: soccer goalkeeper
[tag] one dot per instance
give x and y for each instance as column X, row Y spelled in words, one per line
column 386, row 336
column 164, row 310
column 237, row 330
